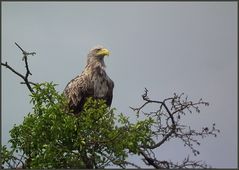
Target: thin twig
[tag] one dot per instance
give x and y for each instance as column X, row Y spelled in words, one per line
column 174, row 129
column 25, row 78
column 13, row 70
column 32, row 83
column 25, row 54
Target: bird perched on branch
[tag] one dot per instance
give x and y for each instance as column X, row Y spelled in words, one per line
column 92, row 82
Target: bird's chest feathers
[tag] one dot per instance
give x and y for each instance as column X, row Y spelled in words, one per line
column 100, row 82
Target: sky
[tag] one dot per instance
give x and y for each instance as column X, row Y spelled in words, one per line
column 167, row 47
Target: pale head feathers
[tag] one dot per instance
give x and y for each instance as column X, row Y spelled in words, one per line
column 96, row 55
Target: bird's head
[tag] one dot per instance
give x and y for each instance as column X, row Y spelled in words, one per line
column 97, row 54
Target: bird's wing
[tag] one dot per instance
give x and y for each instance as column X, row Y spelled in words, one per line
column 77, row 90
column 109, row 95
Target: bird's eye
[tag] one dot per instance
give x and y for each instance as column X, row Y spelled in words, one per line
column 98, row 49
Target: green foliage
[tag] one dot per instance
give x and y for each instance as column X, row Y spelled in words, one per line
column 50, row 137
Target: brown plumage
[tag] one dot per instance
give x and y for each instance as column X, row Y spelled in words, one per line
column 92, row 82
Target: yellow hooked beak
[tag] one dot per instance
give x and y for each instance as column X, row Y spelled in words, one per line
column 104, row 52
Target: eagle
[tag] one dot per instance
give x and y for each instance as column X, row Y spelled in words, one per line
column 92, row 82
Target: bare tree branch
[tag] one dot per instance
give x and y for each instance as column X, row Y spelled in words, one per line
column 32, row 83
column 169, row 126
column 25, row 78
column 149, row 160
column 13, row 70
column 25, row 54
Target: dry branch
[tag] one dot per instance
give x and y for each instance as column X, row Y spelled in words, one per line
column 168, row 126
column 24, row 77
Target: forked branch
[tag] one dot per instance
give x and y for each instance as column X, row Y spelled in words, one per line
column 24, row 77
column 168, row 126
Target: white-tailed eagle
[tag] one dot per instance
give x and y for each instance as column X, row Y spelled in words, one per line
column 92, row 82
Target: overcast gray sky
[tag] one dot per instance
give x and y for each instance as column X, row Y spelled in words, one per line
column 168, row 47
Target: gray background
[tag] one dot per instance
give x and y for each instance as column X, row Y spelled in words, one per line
column 166, row 47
